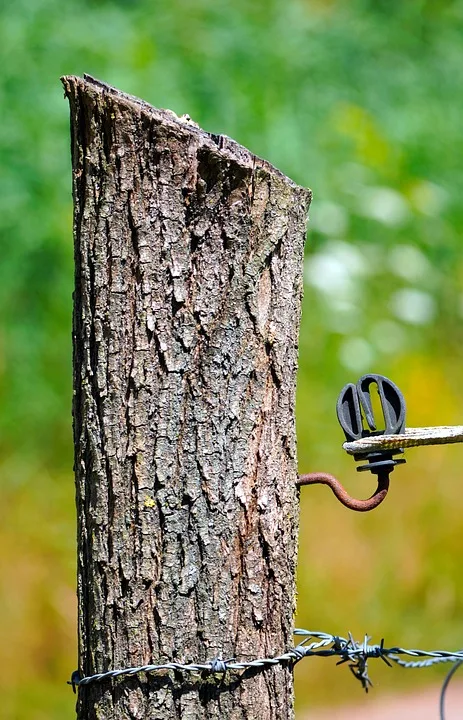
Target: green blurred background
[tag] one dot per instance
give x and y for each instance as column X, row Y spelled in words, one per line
column 361, row 101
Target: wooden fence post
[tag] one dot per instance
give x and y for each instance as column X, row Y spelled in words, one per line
column 189, row 256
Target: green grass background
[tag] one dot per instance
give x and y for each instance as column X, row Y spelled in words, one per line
column 362, row 101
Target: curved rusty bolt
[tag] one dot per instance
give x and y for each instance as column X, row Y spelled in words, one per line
column 342, row 494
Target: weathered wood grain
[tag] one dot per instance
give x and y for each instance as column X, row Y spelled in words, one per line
column 188, row 254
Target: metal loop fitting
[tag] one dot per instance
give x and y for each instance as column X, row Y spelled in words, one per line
column 356, row 416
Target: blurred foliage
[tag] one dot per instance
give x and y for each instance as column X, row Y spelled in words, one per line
column 357, row 99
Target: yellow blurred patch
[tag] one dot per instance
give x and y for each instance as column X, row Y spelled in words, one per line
column 430, row 397
column 357, row 124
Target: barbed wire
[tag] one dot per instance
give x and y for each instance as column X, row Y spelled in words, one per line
column 314, row 644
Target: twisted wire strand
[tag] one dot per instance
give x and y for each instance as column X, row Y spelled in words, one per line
column 313, row 644
column 217, row 665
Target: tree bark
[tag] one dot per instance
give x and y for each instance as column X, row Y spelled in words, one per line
column 188, row 253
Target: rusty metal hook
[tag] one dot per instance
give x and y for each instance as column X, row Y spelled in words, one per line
column 356, row 416
column 341, row 493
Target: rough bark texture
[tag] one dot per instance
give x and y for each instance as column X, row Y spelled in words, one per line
column 188, row 257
